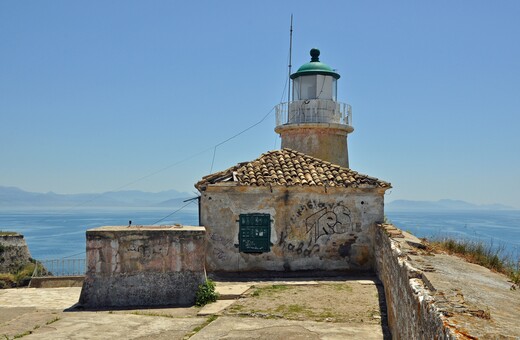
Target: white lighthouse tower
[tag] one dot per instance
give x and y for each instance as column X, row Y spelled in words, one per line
column 314, row 122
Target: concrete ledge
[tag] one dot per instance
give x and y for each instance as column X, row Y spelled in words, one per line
column 56, row 281
column 215, row 308
column 344, row 128
column 231, row 292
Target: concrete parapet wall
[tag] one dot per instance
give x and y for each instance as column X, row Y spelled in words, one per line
column 412, row 313
column 143, row 266
column 57, row 281
column 14, row 253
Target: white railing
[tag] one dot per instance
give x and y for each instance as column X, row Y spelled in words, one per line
column 60, row 267
column 313, row 111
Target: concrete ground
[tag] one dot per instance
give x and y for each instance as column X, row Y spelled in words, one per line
column 47, row 313
column 254, row 328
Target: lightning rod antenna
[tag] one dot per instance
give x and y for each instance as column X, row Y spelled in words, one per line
column 290, row 66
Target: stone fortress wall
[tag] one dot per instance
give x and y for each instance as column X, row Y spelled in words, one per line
column 439, row 296
column 428, row 296
column 14, row 252
column 411, row 314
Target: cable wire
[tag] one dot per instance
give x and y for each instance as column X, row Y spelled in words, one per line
column 153, row 173
column 238, row 134
column 65, row 257
column 165, row 217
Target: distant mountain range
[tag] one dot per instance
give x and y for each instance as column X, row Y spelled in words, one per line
column 11, row 197
column 15, row 197
column 441, row 205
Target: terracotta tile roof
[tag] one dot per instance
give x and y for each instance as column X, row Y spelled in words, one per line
column 287, row 167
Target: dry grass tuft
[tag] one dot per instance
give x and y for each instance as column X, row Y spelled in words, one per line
column 479, row 253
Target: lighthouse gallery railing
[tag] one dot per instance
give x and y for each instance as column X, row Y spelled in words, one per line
column 313, row 111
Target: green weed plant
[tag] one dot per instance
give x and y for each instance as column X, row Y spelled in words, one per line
column 206, row 293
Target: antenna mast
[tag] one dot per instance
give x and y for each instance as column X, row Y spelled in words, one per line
column 290, row 66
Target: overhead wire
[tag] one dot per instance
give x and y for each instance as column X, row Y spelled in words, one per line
column 176, row 211
column 240, row 133
column 153, row 173
column 66, row 257
column 165, row 168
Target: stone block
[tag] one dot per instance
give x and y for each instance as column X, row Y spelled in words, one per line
column 143, row 266
column 14, row 253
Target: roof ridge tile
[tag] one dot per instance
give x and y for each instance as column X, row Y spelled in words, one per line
column 288, row 167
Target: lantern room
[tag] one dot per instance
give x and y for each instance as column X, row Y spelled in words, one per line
column 315, row 80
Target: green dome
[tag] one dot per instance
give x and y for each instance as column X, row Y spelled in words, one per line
column 315, row 66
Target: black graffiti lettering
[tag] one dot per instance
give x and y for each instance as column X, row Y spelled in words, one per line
column 302, row 250
column 335, row 220
column 282, row 239
column 220, row 254
column 311, row 221
column 325, row 219
column 299, row 250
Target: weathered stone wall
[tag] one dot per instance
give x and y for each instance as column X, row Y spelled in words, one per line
column 312, row 228
column 143, row 266
column 326, row 141
column 432, row 295
column 412, row 313
column 14, row 253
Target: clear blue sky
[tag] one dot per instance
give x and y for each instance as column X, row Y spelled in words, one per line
column 95, row 95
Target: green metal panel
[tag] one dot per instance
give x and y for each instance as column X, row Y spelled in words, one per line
column 254, row 234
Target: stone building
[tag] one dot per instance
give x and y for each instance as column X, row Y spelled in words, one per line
column 301, row 207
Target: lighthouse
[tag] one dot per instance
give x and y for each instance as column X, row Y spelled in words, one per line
column 301, row 207
column 313, row 121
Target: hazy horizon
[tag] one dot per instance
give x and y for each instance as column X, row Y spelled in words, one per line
column 178, row 194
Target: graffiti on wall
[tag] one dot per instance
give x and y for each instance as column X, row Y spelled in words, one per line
column 321, row 221
column 221, row 246
column 298, row 248
column 328, row 221
column 139, row 249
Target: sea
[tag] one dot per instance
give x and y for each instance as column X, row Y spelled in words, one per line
column 60, row 233
column 499, row 229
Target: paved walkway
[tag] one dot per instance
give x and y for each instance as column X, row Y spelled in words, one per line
column 41, row 313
